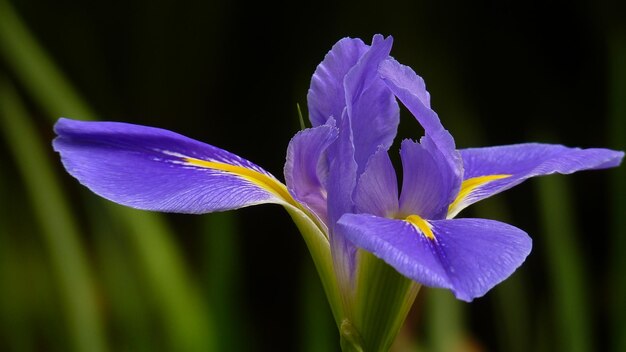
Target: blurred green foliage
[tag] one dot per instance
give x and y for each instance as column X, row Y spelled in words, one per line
column 80, row 274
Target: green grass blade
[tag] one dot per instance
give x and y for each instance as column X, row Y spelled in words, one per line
column 183, row 310
column 185, row 314
column 318, row 331
column 16, row 332
column 445, row 325
column 35, row 70
column 60, row 233
column 222, row 271
column 129, row 309
column 565, row 264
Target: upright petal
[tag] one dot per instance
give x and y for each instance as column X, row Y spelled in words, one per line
column 410, row 89
column 341, row 185
column 494, row 169
column 428, row 184
column 342, row 175
column 306, row 168
column 467, row 256
column 370, row 104
column 155, row 169
column 377, row 190
column 326, row 97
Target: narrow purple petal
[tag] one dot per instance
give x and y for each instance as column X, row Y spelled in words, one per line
column 467, row 256
column 371, row 105
column 341, row 185
column 409, row 88
column 377, row 190
column 306, row 168
column 342, row 175
column 523, row 161
column 155, row 169
column 326, row 97
column 428, row 184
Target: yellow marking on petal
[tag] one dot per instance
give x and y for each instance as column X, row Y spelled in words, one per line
column 468, row 186
column 421, row 225
column 264, row 181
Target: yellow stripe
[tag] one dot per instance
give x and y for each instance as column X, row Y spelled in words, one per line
column 421, row 225
column 469, row 185
column 266, row 182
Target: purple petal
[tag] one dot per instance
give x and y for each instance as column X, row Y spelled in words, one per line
column 326, row 97
column 428, row 184
column 410, row 89
column 341, row 184
column 342, row 173
column 521, row 162
column 155, row 169
column 370, row 104
column 377, row 190
column 306, row 169
column 467, row 256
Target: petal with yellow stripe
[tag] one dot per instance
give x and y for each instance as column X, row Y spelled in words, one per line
column 489, row 171
column 155, row 169
column 466, row 256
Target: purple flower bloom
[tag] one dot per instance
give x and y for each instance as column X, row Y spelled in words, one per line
column 340, row 180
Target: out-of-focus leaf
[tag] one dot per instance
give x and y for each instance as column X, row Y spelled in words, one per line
column 565, row 264
column 184, row 313
column 60, row 232
column 222, row 274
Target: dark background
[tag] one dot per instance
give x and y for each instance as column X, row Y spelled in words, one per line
column 231, row 73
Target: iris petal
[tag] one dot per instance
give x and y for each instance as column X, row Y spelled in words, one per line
column 467, row 256
column 341, row 186
column 306, row 168
column 503, row 167
column 348, row 80
column 370, row 104
column 409, row 88
column 155, row 169
column 428, row 184
column 377, row 190
column 326, row 97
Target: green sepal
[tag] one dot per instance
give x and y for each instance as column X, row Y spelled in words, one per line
column 319, row 247
column 382, row 300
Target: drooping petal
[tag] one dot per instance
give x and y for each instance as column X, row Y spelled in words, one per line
column 467, row 256
column 377, row 190
column 306, row 168
column 494, row 169
column 155, row 169
column 409, row 88
column 326, row 97
column 371, row 105
column 428, row 184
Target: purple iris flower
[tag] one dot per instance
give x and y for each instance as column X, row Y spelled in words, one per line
column 339, row 178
